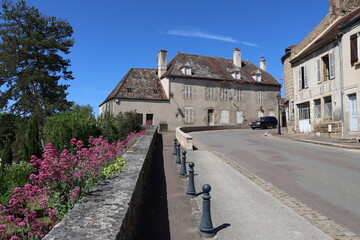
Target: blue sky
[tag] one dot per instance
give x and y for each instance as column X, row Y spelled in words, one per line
column 112, row 36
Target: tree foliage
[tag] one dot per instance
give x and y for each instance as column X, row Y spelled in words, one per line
column 32, row 47
column 32, row 140
column 6, row 156
column 115, row 127
column 7, row 128
column 78, row 122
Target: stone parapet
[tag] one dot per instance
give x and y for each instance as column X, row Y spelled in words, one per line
column 112, row 210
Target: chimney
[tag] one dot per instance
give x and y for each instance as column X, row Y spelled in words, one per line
column 162, row 62
column 263, row 63
column 237, row 57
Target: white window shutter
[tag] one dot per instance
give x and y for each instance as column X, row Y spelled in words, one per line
column 299, row 78
column 332, row 66
column 318, row 70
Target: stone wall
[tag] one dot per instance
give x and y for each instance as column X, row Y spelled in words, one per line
column 112, row 210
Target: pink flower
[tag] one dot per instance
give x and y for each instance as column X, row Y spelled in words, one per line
column 2, row 228
column 22, row 224
column 14, row 238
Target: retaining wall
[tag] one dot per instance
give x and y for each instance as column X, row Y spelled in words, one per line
column 112, row 210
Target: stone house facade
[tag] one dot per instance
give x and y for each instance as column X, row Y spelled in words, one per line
column 195, row 90
column 321, row 81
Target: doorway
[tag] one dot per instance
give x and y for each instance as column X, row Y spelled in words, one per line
column 149, row 117
column 353, row 113
column 210, row 117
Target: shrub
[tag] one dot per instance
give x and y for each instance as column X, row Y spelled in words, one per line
column 114, row 127
column 14, row 175
column 78, row 122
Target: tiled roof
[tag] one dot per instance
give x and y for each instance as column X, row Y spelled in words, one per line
column 139, row 84
column 215, row 68
column 327, row 36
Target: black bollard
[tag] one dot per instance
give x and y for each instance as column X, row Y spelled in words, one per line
column 206, row 228
column 177, row 159
column 190, row 191
column 175, row 142
column 183, row 172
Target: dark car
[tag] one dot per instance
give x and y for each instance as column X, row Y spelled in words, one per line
column 264, row 122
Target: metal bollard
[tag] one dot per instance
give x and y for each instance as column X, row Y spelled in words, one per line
column 175, row 142
column 190, row 191
column 183, row 172
column 177, row 159
column 206, row 228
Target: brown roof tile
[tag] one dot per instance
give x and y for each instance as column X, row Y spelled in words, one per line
column 139, row 84
column 214, row 68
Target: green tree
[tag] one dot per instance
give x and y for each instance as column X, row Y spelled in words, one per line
column 115, row 127
column 7, row 156
column 7, row 128
column 32, row 47
column 31, row 144
column 78, row 122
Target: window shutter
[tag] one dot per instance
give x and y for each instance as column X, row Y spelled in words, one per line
column 299, row 78
column 305, row 78
column 332, row 65
column 318, row 70
column 353, row 48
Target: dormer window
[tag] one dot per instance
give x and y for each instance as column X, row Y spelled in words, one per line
column 156, row 91
column 129, row 90
column 186, row 69
column 236, row 73
column 257, row 75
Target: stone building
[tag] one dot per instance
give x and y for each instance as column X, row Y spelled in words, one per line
column 321, row 79
column 195, row 90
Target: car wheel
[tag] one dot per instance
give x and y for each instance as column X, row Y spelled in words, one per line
column 252, row 128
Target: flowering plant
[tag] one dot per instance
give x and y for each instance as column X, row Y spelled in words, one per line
column 57, row 183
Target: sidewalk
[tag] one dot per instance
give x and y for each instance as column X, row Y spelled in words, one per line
column 240, row 209
column 312, row 138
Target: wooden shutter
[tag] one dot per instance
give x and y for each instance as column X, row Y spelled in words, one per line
column 299, row 78
column 354, row 49
column 318, row 70
column 332, row 66
column 305, row 78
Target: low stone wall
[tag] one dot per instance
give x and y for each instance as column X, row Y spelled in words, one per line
column 186, row 141
column 113, row 208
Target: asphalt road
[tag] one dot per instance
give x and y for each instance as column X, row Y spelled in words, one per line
column 325, row 178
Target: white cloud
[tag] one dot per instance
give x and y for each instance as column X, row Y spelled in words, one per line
column 207, row 35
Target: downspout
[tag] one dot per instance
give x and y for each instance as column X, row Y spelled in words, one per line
column 338, row 37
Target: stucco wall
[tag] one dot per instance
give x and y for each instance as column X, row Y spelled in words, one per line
column 168, row 111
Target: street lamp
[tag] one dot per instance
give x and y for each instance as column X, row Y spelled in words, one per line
column 278, row 97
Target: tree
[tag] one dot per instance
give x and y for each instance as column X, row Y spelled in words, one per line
column 31, row 144
column 78, row 122
column 31, row 62
column 6, row 157
column 7, row 128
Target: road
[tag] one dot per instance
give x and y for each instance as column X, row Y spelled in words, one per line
column 325, row 178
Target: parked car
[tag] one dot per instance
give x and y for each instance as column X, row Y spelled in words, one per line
column 264, row 122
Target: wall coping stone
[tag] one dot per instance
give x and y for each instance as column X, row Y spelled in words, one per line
column 104, row 212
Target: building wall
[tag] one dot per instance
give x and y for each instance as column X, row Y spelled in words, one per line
column 351, row 80
column 319, row 90
column 173, row 112
column 289, row 93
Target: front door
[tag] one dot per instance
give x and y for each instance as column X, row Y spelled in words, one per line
column 304, row 117
column 211, row 117
column 353, row 113
column 239, row 117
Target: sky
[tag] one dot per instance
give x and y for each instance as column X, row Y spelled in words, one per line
column 113, row 36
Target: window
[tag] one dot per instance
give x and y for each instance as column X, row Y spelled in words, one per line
column 327, row 107
column 129, row 90
column 304, row 111
column 302, row 77
column 189, row 114
column 318, row 70
column 139, row 119
column 328, row 66
column 317, row 108
column 224, row 94
column 210, row 93
column 156, row 91
column 239, row 95
column 259, row 96
column 224, row 117
column 354, row 48
column 188, row 91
